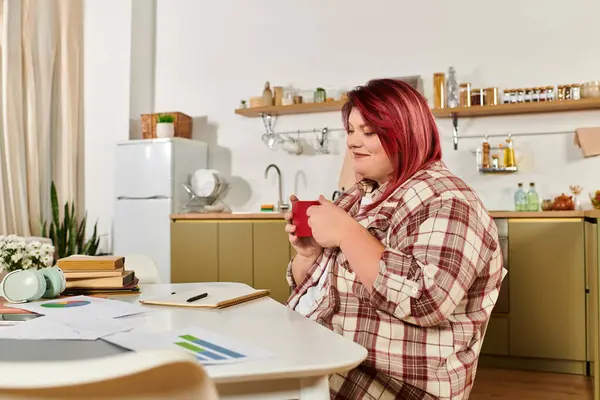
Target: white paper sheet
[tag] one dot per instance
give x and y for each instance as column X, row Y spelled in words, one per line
column 209, row 348
column 51, row 328
column 81, row 307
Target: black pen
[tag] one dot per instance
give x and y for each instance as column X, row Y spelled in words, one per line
column 200, row 296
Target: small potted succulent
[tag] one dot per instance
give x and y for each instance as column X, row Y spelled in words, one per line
column 165, row 127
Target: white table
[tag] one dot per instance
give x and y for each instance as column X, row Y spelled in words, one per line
column 305, row 353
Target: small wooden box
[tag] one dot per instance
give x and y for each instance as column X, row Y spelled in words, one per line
column 182, row 125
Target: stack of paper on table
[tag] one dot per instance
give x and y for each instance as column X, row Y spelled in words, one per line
column 94, row 274
column 79, row 317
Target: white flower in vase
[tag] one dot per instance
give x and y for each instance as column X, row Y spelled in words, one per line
column 16, row 253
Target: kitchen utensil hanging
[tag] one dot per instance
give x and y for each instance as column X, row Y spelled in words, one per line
column 322, row 141
column 270, row 138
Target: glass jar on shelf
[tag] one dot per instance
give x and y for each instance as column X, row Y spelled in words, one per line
column 576, row 91
column 464, row 94
column 561, row 92
column 550, row 93
column 506, row 96
column 477, row 97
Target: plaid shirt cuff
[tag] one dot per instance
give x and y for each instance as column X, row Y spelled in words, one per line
column 290, row 276
column 393, row 289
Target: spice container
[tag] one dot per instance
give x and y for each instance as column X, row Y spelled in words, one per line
column 520, row 95
column 550, row 93
column 320, row 95
column 535, row 94
column 560, row 92
column 506, row 96
column 513, row 95
column 486, row 154
column 477, row 97
column 491, row 96
column 439, row 90
column 495, row 163
column 464, row 95
column 547, row 205
column 575, row 92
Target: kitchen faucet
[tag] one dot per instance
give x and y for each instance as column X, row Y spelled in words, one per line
column 281, row 206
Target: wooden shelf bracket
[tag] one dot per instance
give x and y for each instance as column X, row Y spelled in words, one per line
column 455, row 131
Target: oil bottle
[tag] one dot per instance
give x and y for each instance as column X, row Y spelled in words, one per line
column 509, row 153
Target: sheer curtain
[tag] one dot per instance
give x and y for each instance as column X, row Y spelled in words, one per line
column 41, row 110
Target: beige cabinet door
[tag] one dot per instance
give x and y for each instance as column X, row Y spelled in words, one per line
column 235, row 252
column 194, row 251
column 271, row 257
column 547, row 288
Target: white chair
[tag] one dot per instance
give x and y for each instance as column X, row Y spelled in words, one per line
column 161, row 374
column 145, row 268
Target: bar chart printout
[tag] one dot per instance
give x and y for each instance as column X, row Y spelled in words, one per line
column 207, row 351
column 207, row 347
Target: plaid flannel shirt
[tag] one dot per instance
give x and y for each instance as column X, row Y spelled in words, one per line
column 439, row 278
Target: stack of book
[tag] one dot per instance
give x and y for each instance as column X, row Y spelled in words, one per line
column 97, row 274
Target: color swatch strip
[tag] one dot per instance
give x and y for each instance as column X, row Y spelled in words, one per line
column 212, row 346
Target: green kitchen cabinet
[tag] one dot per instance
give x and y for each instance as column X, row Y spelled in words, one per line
column 592, row 237
column 194, row 251
column 236, row 252
column 496, row 340
column 547, row 288
column 271, row 255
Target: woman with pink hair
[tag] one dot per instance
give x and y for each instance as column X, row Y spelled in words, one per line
column 406, row 263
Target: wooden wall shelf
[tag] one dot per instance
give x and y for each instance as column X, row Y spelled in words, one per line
column 519, row 108
column 304, row 108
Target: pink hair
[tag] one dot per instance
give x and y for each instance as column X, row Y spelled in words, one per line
column 401, row 118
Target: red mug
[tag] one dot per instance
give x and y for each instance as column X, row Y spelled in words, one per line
column 300, row 219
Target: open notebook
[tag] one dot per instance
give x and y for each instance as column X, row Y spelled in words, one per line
column 217, row 297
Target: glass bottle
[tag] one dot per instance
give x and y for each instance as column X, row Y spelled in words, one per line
column 452, row 89
column 509, row 154
column 520, row 198
column 267, row 95
column 533, row 200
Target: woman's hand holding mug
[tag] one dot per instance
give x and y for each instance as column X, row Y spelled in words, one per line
column 305, row 246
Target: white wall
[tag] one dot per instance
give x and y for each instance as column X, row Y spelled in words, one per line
column 210, row 55
column 107, row 55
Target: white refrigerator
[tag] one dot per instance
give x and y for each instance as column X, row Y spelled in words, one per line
column 150, row 175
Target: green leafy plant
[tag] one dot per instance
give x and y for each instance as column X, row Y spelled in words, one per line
column 165, row 119
column 67, row 235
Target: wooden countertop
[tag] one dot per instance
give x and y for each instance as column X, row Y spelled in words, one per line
column 494, row 214
column 537, row 214
column 236, row 216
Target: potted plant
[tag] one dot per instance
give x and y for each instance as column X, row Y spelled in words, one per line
column 18, row 253
column 67, row 234
column 165, row 127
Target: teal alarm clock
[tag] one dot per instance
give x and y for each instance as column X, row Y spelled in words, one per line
column 21, row 286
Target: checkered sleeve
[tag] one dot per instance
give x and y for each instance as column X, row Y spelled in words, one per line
column 290, row 276
column 426, row 273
